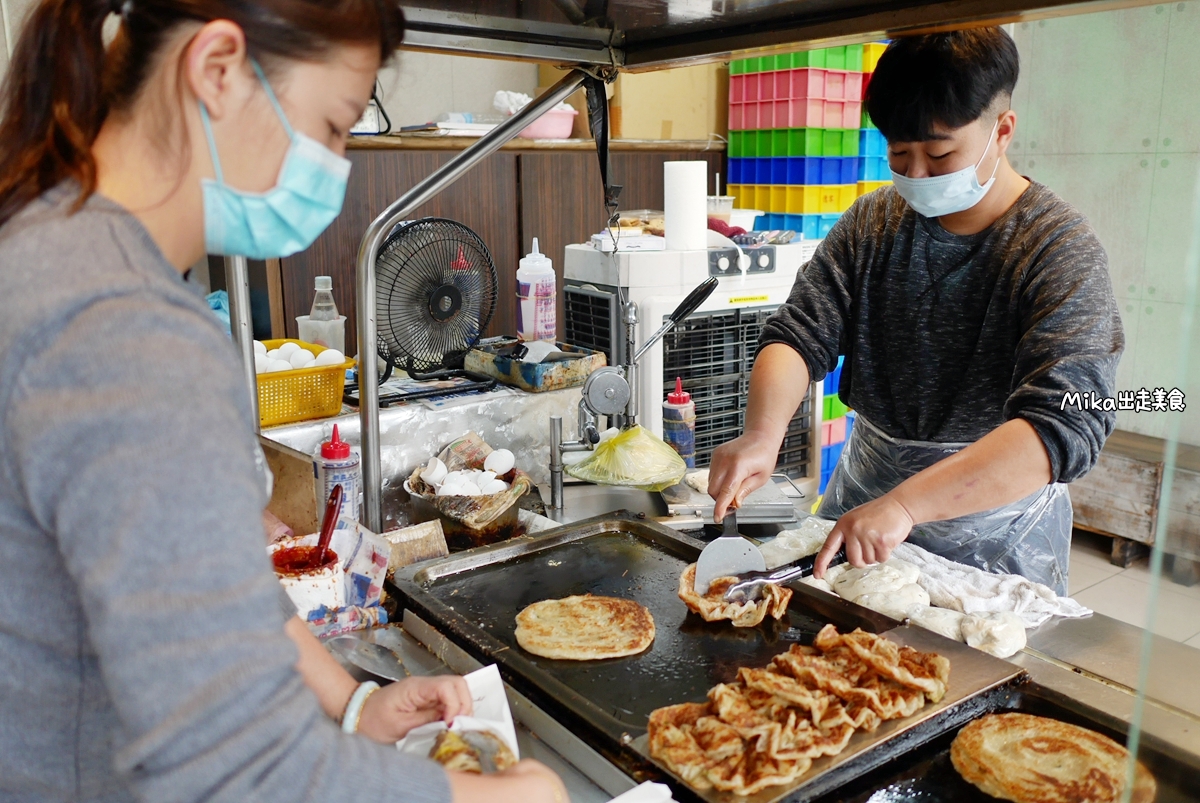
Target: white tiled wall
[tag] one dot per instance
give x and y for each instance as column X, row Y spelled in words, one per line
column 1108, row 112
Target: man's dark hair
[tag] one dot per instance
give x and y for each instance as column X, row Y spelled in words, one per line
column 943, row 79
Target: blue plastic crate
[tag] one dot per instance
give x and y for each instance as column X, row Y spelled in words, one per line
column 833, row 378
column 874, row 168
column 761, row 223
column 804, row 170
column 850, row 417
column 825, row 475
column 825, row 224
column 762, row 171
column 871, row 142
column 736, row 165
column 838, row 170
column 779, row 170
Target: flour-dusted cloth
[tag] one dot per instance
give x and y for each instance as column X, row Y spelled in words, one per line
column 970, row 590
column 647, row 792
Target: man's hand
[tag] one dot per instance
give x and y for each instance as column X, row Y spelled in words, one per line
column 397, row 708
column 870, row 533
column 738, row 468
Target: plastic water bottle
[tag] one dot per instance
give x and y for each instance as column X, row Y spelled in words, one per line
column 679, row 423
column 323, row 308
column 537, row 297
column 335, row 463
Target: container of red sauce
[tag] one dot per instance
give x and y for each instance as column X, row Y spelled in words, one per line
column 309, row 583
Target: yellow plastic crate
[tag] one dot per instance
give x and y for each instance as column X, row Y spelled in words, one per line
column 836, row 198
column 871, row 53
column 738, row 191
column 778, row 203
column 286, row 397
column 804, row 200
column 865, row 187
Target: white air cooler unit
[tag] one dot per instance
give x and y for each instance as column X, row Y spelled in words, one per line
column 712, row 350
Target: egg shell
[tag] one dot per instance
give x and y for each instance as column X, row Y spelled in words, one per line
column 330, row 357
column 455, row 476
column 485, row 477
column 434, row 472
column 449, row 489
column 287, row 348
column 299, row 357
column 500, row 461
column 494, row 487
column 469, row 489
column 274, row 354
column 260, row 348
column 280, row 365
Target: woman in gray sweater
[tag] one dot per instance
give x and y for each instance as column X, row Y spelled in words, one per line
column 143, row 652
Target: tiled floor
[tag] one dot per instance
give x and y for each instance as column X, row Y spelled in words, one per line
column 1124, row 593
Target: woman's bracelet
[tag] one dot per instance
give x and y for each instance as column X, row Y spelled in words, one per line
column 354, row 707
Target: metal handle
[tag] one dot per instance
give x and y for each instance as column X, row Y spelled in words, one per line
column 686, row 307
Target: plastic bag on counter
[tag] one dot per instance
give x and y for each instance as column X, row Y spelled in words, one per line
column 476, row 512
column 635, row 457
column 1030, row 537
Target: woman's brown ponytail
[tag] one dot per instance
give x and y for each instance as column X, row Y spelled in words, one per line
column 61, row 84
column 53, row 101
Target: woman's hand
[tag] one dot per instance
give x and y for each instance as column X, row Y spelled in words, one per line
column 394, row 710
column 870, row 533
column 527, row 782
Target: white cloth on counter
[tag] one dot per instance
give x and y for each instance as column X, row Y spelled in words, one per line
column 648, row 792
column 974, row 591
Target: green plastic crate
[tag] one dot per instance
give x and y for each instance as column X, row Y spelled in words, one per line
column 833, row 408
column 755, row 65
column 737, row 144
column 805, row 142
column 783, row 61
column 854, row 58
column 737, row 67
column 809, row 58
column 835, row 58
column 762, row 143
column 839, row 142
column 779, row 141
column 866, row 120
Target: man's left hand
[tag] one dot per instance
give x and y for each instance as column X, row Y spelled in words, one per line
column 394, row 710
column 870, row 533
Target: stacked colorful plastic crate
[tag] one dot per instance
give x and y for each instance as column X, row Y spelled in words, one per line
column 796, row 136
column 873, row 170
column 836, row 425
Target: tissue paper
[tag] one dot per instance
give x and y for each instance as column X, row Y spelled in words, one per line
column 491, row 714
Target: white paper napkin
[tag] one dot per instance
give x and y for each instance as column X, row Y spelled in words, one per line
column 491, row 714
column 646, row 793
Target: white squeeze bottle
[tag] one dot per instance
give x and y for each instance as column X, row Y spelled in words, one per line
column 536, row 297
column 335, row 463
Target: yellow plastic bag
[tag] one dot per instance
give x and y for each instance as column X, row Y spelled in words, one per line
column 635, row 457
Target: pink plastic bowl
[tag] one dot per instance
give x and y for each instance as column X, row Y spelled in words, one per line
column 554, row 124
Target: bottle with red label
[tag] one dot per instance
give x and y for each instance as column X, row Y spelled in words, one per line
column 679, row 423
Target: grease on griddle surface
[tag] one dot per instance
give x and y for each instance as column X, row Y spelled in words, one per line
column 688, row 657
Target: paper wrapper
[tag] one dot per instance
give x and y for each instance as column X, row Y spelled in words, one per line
column 491, row 714
column 363, row 558
column 648, row 792
column 476, row 512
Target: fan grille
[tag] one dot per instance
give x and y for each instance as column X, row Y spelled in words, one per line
column 436, row 291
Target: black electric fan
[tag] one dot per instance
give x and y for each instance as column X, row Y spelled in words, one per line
column 435, row 286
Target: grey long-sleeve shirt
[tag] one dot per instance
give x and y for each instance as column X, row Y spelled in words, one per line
column 948, row 336
column 142, row 652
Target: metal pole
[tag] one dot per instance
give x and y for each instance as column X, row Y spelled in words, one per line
column 368, row 388
column 237, row 284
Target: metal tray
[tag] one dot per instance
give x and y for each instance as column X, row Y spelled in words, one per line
column 766, row 505
column 474, row 597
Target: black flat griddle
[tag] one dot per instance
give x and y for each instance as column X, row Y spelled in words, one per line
column 474, row 598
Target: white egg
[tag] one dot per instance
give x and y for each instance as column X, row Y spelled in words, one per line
column 434, row 472
column 299, row 357
column 485, row 477
column 259, row 348
column 469, row 489
column 274, row 354
column 287, row 348
column 280, row 365
column 307, row 364
column 330, row 357
column 261, row 363
column 500, row 461
column 494, row 487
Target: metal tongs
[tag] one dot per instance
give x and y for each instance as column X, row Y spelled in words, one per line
column 749, row 588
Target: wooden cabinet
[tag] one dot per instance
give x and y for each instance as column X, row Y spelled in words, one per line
column 1122, row 497
column 523, row 191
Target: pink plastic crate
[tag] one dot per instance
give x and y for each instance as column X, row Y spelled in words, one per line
column 752, row 81
column 843, row 113
column 833, row 432
column 805, row 113
column 750, row 117
column 766, row 86
column 737, row 88
column 807, row 83
column 737, row 116
column 835, row 85
column 854, row 86
column 766, row 114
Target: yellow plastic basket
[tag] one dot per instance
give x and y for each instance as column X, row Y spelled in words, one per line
column 285, row 397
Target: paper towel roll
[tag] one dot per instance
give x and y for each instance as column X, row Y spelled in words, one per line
column 685, row 205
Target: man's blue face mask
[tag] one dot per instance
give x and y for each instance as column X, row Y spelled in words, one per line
column 934, row 196
column 287, row 218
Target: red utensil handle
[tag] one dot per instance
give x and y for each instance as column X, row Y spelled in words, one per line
column 332, row 508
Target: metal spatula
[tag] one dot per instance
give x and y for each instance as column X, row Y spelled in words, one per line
column 749, row 587
column 728, row 555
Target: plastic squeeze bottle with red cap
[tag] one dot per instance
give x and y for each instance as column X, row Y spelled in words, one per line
column 335, row 463
column 679, row 423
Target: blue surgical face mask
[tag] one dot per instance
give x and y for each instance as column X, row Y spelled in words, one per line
column 934, row 196
column 285, row 219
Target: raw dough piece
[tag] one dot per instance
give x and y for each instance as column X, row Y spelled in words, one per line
column 895, row 603
column 998, row 633
column 942, row 621
column 815, row 583
column 1030, row 759
column 697, row 480
column 834, row 572
column 585, row 628
column 879, row 578
column 791, row 545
